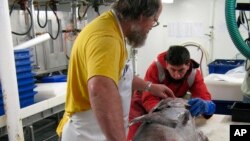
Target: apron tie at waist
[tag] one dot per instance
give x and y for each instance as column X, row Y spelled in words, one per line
column 66, row 117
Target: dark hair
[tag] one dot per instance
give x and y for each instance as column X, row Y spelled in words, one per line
column 177, row 55
column 133, row 9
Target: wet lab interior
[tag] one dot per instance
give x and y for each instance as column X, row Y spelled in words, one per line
column 36, row 40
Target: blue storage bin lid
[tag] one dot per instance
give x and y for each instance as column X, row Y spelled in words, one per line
column 25, row 75
column 1, row 102
column 22, row 56
column 27, row 81
column 26, row 68
column 22, row 97
column 1, row 93
column 54, row 78
column 23, row 62
column 27, row 94
column 24, row 101
column 25, row 89
column 1, row 110
column 22, row 50
column 27, row 102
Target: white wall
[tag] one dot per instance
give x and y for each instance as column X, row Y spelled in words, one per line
column 199, row 21
column 189, row 21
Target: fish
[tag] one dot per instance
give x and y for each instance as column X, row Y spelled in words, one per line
column 169, row 120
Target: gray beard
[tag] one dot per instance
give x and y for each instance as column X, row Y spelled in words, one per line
column 136, row 39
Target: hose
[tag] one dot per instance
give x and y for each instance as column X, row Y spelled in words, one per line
column 203, row 52
column 233, row 28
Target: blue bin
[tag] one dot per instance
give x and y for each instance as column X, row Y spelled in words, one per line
column 221, row 66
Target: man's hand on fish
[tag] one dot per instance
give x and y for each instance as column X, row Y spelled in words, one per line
column 161, row 90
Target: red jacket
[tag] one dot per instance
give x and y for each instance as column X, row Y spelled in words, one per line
column 143, row 103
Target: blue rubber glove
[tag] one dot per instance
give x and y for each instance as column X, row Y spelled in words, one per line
column 199, row 106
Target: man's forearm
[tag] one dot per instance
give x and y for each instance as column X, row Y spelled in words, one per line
column 106, row 104
column 139, row 84
column 158, row 90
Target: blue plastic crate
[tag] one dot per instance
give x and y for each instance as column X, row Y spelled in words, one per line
column 22, row 57
column 1, row 110
column 25, row 85
column 1, row 93
column 25, row 100
column 1, row 101
column 22, row 51
column 23, row 62
column 221, row 66
column 22, row 54
column 24, row 89
column 22, row 69
column 25, row 82
column 25, row 75
column 27, row 94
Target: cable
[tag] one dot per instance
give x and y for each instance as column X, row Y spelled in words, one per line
column 46, row 15
column 52, row 6
column 96, row 6
column 85, row 12
column 31, row 22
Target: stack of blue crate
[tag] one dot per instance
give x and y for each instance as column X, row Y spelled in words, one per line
column 25, row 79
column 1, row 101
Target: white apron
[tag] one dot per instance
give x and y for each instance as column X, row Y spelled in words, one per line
column 83, row 126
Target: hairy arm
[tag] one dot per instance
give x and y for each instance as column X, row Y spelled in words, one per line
column 106, row 104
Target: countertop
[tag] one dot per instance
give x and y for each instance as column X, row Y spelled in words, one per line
column 217, row 128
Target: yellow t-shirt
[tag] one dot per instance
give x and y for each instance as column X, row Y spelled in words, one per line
column 98, row 50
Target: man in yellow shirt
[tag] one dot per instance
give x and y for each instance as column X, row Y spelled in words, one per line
column 100, row 77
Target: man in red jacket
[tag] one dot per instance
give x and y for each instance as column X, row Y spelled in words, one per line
column 176, row 70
